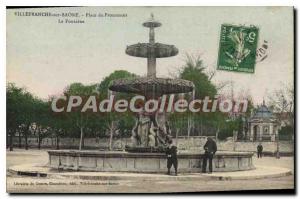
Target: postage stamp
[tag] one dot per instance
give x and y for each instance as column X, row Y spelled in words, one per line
column 237, row 48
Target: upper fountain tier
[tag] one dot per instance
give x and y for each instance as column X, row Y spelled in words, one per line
column 151, row 50
column 151, row 85
column 157, row 49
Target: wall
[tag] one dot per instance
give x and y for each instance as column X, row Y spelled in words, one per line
column 193, row 143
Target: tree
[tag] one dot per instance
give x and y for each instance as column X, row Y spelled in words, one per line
column 286, row 133
column 13, row 96
column 211, row 123
column 282, row 101
column 41, row 127
column 178, row 122
column 105, row 83
column 32, row 108
column 80, row 119
column 20, row 112
column 59, row 124
column 195, row 71
column 116, row 122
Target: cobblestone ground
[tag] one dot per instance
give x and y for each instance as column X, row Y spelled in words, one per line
column 33, row 184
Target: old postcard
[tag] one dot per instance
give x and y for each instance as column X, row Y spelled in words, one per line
column 150, row 99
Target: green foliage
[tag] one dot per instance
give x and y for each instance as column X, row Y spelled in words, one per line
column 80, row 89
column 286, row 132
column 29, row 115
column 227, row 130
column 125, row 121
column 179, row 122
column 229, row 126
column 208, row 124
column 105, row 83
column 21, row 107
column 25, row 113
column 194, row 70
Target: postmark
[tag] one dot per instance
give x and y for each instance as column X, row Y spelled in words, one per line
column 237, row 48
column 262, row 52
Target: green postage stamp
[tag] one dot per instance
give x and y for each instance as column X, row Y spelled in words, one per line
column 237, row 50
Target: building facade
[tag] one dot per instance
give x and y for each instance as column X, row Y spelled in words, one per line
column 263, row 125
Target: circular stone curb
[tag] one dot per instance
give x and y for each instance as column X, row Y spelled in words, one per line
column 260, row 172
column 44, row 171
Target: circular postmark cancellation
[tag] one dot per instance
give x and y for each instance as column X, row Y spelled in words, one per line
column 262, row 52
column 239, row 50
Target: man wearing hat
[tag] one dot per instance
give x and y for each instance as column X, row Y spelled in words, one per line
column 171, row 152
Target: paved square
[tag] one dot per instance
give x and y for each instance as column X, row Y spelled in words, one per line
column 138, row 185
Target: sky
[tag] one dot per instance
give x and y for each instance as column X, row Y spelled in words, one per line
column 45, row 56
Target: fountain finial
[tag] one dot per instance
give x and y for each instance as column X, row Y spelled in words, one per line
column 151, row 23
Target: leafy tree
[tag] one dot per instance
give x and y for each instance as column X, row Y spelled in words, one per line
column 20, row 112
column 211, row 123
column 227, row 130
column 282, row 101
column 13, row 95
column 194, row 70
column 59, row 123
column 105, row 83
column 286, row 133
column 41, row 127
column 116, row 123
column 81, row 119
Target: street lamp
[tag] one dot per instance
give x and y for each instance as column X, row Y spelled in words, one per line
column 276, row 135
column 277, row 150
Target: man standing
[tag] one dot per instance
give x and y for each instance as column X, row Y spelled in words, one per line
column 260, row 149
column 210, row 149
column 171, row 152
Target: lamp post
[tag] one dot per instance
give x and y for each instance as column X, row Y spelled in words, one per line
column 276, row 134
column 277, row 147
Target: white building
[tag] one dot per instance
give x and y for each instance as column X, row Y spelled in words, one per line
column 263, row 125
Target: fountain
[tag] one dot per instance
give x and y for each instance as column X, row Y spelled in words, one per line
column 151, row 131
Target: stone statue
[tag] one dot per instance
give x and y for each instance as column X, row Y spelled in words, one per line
column 152, row 135
column 135, row 139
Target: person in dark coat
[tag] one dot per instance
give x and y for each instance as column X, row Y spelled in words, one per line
column 171, row 152
column 210, row 149
column 260, row 149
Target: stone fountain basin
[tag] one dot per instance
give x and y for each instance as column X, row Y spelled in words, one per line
column 148, row 85
column 119, row 161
